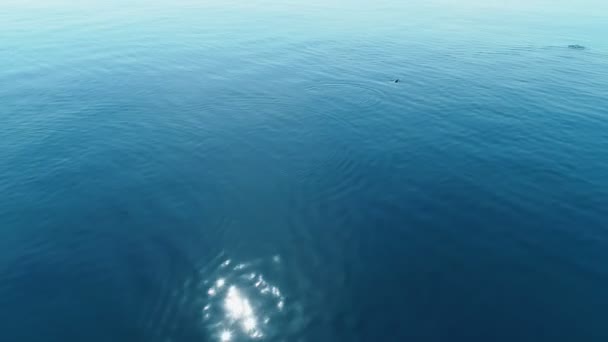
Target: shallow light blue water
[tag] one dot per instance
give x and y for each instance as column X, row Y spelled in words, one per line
column 249, row 171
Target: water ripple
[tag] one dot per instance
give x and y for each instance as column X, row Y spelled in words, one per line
column 351, row 93
column 242, row 304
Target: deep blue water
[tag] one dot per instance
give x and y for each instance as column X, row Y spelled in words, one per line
column 248, row 171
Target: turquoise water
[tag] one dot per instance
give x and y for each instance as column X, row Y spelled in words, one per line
column 250, row 171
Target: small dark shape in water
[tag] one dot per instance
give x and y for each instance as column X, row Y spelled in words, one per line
column 576, row 47
column 396, row 81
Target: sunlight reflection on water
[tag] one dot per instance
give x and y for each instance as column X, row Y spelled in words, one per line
column 241, row 303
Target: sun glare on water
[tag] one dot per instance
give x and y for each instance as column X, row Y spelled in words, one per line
column 241, row 303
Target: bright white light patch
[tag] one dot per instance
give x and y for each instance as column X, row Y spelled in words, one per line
column 239, row 309
column 225, row 336
column 236, row 305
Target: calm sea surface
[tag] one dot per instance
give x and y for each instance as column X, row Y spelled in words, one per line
column 249, row 171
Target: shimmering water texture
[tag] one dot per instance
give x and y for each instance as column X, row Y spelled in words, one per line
column 242, row 303
column 238, row 171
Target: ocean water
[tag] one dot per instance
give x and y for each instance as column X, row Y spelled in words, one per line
column 249, row 171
